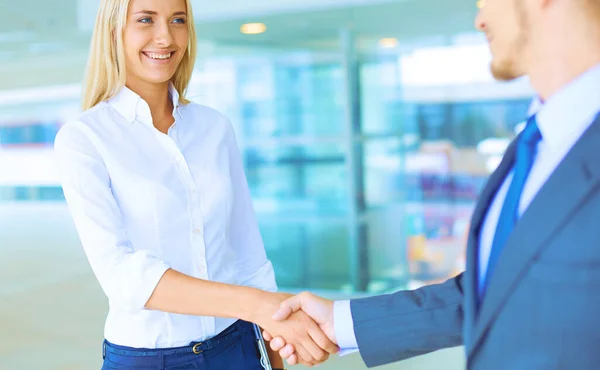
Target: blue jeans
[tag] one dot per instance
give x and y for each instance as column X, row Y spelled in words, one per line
column 233, row 349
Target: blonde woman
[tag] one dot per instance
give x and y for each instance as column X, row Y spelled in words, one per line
column 158, row 194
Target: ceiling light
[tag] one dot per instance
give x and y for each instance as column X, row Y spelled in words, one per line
column 388, row 43
column 253, row 28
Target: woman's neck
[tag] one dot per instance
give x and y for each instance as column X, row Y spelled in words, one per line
column 158, row 99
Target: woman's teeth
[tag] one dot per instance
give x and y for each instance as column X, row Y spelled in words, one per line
column 159, row 56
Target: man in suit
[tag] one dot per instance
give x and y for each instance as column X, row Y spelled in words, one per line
column 530, row 296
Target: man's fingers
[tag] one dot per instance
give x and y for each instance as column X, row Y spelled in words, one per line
column 309, row 343
column 288, row 307
column 304, row 356
column 322, row 340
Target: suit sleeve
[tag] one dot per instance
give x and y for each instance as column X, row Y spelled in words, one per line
column 405, row 324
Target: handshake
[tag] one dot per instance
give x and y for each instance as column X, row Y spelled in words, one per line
column 300, row 329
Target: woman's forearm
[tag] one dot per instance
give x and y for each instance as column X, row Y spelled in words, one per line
column 183, row 294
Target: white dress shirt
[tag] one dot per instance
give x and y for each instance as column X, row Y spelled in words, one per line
column 144, row 202
column 561, row 120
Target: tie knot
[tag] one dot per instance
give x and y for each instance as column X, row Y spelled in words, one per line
column 531, row 134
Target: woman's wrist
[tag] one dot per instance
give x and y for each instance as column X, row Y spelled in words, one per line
column 256, row 304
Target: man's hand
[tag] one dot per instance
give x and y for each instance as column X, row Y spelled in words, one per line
column 311, row 345
column 319, row 309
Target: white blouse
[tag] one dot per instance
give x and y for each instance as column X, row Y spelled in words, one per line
column 143, row 202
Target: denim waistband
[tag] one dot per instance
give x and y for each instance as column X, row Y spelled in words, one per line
column 222, row 339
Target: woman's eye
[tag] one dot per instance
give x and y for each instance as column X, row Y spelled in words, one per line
column 179, row 20
column 145, row 20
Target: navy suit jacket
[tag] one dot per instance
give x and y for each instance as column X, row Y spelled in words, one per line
column 542, row 306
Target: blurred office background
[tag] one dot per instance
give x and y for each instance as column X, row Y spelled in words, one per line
column 368, row 127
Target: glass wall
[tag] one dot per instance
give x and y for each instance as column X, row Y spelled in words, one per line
column 365, row 150
column 367, row 208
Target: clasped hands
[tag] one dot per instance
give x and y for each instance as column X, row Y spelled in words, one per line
column 301, row 329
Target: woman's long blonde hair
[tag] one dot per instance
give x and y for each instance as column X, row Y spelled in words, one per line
column 105, row 74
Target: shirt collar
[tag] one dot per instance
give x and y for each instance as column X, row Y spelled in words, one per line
column 567, row 113
column 131, row 106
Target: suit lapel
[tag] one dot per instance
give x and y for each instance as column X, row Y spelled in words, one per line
column 470, row 278
column 549, row 211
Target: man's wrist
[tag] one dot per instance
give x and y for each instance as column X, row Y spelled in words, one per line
column 343, row 324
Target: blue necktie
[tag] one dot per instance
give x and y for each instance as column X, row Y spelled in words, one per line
column 525, row 155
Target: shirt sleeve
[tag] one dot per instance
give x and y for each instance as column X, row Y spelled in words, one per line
column 128, row 277
column 343, row 325
column 253, row 267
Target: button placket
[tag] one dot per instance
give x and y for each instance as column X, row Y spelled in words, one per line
column 198, row 251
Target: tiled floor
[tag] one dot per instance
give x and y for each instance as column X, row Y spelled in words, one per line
column 52, row 310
